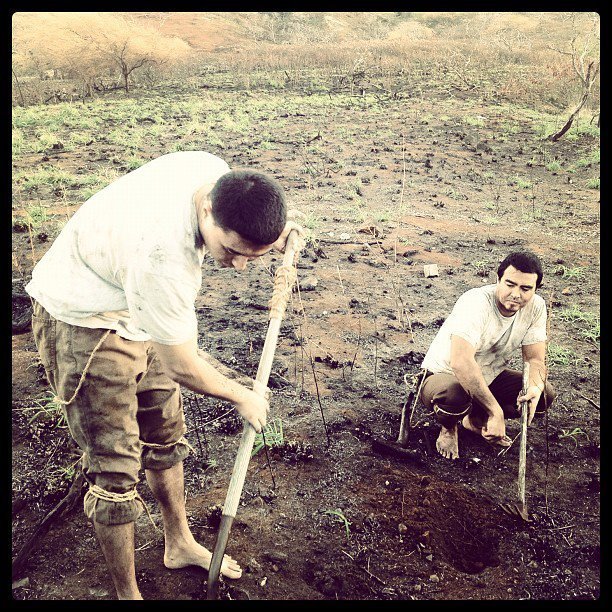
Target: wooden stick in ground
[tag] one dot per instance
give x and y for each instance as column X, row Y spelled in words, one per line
column 523, row 445
column 284, row 279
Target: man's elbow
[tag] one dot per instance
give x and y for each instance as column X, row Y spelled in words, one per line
column 460, row 366
column 177, row 371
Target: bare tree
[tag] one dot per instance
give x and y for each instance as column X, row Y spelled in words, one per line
column 92, row 45
column 584, row 52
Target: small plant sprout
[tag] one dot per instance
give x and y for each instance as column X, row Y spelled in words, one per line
column 568, row 273
column 482, row 268
column 573, row 434
column 272, row 436
column 341, row 519
column 48, row 408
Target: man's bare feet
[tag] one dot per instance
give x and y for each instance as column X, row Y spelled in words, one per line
column 467, row 424
column 196, row 554
column 447, row 443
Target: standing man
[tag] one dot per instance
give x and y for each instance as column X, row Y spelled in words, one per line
column 115, row 324
column 466, row 378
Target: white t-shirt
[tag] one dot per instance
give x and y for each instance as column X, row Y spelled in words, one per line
column 130, row 258
column 476, row 318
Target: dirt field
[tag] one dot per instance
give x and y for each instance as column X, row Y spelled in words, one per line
column 387, row 187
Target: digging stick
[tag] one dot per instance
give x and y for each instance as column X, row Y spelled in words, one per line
column 283, row 283
column 523, row 446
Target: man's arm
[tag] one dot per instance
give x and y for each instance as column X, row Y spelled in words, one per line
column 535, row 356
column 183, row 365
column 470, row 377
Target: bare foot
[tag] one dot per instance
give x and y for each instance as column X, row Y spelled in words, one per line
column 196, row 554
column 448, row 443
column 467, row 424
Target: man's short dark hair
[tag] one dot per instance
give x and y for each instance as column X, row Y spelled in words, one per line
column 524, row 261
column 251, row 204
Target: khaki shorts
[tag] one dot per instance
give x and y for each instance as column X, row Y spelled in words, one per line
column 125, row 403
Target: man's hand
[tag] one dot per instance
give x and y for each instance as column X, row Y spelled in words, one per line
column 532, row 397
column 253, row 408
column 281, row 242
column 495, row 429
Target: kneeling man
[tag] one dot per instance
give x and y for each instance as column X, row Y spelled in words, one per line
column 466, row 374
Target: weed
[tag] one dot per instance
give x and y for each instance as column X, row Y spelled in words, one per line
column 573, row 434
column 68, row 472
column 587, row 321
column 553, row 166
column 49, row 409
column 266, row 145
column 273, row 433
column 560, row 356
column 18, row 143
column 310, row 221
column 455, row 195
column 569, row 273
column 482, row 268
column 574, row 314
column 134, row 161
column 593, row 183
column 589, row 160
column 477, row 121
column 36, row 216
column 520, row 183
column 47, row 176
column 591, row 333
column 341, row 518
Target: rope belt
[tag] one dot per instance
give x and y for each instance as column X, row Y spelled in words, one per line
column 283, row 282
column 109, row 496
column 58, row 399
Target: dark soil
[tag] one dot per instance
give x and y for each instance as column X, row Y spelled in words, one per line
column 326, row 516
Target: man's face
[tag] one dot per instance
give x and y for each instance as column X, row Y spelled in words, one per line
column 514, row 290
column 229, row 249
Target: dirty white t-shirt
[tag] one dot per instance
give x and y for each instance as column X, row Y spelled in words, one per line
column 476, row 318
column 130, row 258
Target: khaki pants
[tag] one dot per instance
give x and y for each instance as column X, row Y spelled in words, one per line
column 450, row 401
column 125, row 403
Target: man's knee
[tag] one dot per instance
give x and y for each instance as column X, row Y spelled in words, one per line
column 448, row 399
column 164, row 456
column 112, row 508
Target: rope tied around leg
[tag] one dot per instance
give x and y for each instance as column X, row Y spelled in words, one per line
column 181, row 440
column 100, row 493
column 63, row 402
column 284, row 278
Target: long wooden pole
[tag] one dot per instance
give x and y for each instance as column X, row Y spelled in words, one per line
column 282, row 289
column 523, row 445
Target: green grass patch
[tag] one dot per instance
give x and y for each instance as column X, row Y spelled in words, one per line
column 46, row 176
column 271, row 436
column 520, row 183
column 593, row 183
column 474, row 121
column 561, row 356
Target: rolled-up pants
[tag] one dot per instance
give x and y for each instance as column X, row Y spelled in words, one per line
column 450, row 402
column 127, row 415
